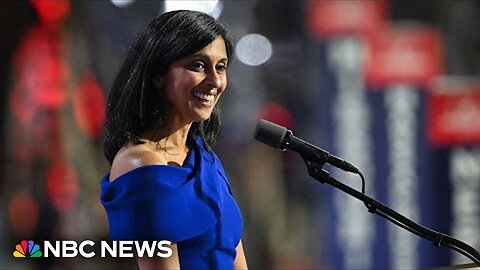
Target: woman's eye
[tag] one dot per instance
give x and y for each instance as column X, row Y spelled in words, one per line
column 222, row 68
column 198, row 66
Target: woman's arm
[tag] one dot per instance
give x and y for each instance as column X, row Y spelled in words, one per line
column 160, row 263
column 240, row 261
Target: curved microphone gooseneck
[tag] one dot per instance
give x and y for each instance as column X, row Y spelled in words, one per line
column 281, row 138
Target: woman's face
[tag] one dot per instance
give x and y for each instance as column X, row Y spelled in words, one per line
column 195, row 83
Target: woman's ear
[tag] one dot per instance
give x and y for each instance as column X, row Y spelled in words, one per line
column 159, row 81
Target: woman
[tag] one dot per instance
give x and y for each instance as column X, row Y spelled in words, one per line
column 165, row 181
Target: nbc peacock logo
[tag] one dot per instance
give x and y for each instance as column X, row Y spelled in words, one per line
column 27, row 249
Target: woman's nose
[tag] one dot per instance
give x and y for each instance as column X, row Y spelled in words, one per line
column 214, row 80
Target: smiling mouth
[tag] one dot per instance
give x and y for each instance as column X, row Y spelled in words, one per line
column 206, row 98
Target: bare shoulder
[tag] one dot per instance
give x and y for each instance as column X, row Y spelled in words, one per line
column 131, row 157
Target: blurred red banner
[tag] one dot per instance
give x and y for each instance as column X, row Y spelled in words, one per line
column 454, row 113
column 404, row 54
column 89, row 106
column 326, row 19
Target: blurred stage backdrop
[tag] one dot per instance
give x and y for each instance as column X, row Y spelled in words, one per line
column 391, row 86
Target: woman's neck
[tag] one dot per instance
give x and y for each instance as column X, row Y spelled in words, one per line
column 174, row 139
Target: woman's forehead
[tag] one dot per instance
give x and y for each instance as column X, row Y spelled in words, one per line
column 215, row 50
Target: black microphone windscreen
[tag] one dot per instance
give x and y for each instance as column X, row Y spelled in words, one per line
column 270, row 134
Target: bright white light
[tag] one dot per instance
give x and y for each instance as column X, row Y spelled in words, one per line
column 212, row 7
column 253, row 49
column 122, row 3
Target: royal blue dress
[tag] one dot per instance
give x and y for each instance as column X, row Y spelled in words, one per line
column 191, row 206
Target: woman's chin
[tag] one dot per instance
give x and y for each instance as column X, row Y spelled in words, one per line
column 201, row 117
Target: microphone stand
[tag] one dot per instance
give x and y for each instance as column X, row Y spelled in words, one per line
column 315, row 170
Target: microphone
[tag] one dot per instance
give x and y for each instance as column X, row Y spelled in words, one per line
column 280, row 137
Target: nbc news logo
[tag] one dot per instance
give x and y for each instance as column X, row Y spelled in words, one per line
column 70, row 249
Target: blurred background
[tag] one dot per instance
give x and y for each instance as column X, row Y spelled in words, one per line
column 391, row 86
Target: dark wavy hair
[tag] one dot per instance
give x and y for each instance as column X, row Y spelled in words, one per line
column 134, row 104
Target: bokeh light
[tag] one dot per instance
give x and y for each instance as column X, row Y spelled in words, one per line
column 214, row 7
column 23, row 213
column 62, row 185
column 122, row 3
column 52, row 12
column 254, row 49
column 89, row 106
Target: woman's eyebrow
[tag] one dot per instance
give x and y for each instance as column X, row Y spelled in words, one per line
column 206, row 57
